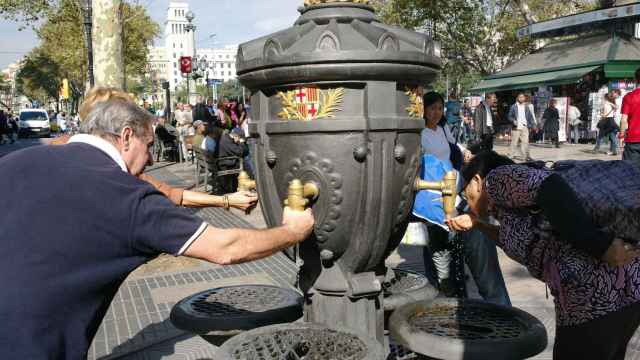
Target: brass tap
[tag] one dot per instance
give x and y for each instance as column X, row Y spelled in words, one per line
column 448, row 187
column 299, row 195
column 245, row 183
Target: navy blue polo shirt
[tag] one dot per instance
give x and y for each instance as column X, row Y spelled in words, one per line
column 73, row 226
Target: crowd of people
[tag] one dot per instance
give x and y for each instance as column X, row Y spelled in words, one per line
column 574, row 226
column 219, row 129
column 479, row 126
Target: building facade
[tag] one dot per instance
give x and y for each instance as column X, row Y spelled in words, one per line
column 165, row 60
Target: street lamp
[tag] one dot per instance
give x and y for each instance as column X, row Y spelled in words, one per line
column 87, row 21
column 190, row 28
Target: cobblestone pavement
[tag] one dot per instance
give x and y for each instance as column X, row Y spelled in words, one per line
column 137, row 325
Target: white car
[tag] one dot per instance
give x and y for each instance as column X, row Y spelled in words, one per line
column 34, row 121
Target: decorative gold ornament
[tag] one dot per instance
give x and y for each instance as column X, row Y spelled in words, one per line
column 310, row 103
column 318, row 2
column 416, row 108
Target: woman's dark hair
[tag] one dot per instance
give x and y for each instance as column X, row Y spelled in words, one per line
column 483, row 163
column 609, row 97
column 431, row 98
column 214, row 132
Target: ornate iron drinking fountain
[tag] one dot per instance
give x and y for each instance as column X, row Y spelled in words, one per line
column 336, row 122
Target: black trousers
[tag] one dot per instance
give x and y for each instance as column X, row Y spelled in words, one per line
column 605, row 338
column 632, row 153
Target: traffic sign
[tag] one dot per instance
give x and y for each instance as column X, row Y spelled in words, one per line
column 212, row 82
column 185, row 64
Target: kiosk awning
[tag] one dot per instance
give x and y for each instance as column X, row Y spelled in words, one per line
column 532, row 80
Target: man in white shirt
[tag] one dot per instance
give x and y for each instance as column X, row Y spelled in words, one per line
column 522, row 120
column 184, row 122
column 573, row 116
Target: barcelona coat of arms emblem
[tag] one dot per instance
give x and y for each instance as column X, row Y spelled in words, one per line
column 310, row 103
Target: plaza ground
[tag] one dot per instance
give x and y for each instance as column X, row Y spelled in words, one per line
column 137, row 325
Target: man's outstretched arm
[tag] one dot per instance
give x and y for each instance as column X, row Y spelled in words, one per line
column 233, row 246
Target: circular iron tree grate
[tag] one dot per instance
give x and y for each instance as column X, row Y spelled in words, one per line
column 469, row 329
column 236, row 308
column 406, row 287
column 301, row 341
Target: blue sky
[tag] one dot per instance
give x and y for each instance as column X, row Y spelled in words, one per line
column 233, row 22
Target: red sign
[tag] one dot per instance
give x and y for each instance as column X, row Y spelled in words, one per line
column 185, row 64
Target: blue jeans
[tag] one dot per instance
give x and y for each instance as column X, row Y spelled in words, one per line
column 481, row 258
column 575, row 134
column 613, row 141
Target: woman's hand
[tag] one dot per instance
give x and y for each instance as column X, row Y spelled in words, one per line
column 464, row 222
column 620, row 253
column 468, row 156
column 243, row 200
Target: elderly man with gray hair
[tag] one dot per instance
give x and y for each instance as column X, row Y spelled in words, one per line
column 80, row 221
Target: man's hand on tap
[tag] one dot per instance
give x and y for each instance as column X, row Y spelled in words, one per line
column 299, row 223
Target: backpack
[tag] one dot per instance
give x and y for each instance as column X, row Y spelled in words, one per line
column 608, row 190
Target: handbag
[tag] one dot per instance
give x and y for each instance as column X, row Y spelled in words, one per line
column 416, row 234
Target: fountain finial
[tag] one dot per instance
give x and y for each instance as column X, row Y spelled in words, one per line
column 308, row 3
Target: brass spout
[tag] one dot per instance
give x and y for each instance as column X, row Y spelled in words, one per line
column 299, row 195
column 245, row 183
column 448, row 187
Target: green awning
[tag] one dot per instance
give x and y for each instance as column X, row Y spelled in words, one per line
column 621, row 70
column 568, row 76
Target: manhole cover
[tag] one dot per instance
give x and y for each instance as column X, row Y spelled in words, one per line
column 300, row 341
column 406, row 287
column 451, row 329
column 236, row 308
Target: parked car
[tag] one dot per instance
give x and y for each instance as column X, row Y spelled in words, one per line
column 34, row 121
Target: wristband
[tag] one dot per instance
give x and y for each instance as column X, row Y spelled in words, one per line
column 226, row 202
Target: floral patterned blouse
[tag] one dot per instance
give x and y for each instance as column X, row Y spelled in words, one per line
column 584, row 287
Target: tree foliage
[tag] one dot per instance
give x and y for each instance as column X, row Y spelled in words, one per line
column 39, row 78
column 26, row 11
column 62, row 40
column 477, row 36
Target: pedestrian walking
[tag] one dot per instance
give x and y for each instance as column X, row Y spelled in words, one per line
column 4, row 127
column 223, row 120
column 569, row 239
column 453, row 113
column 61, row 120
column 211, row 116
column 484, row 121
column 551, row 123
column 59, row 274
column 630, row 124
column 184, row 125
column 200, row 111
column 522, row 121
column 607, row 126
column 467, row 122
column 14, row 128
column 573, row 117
